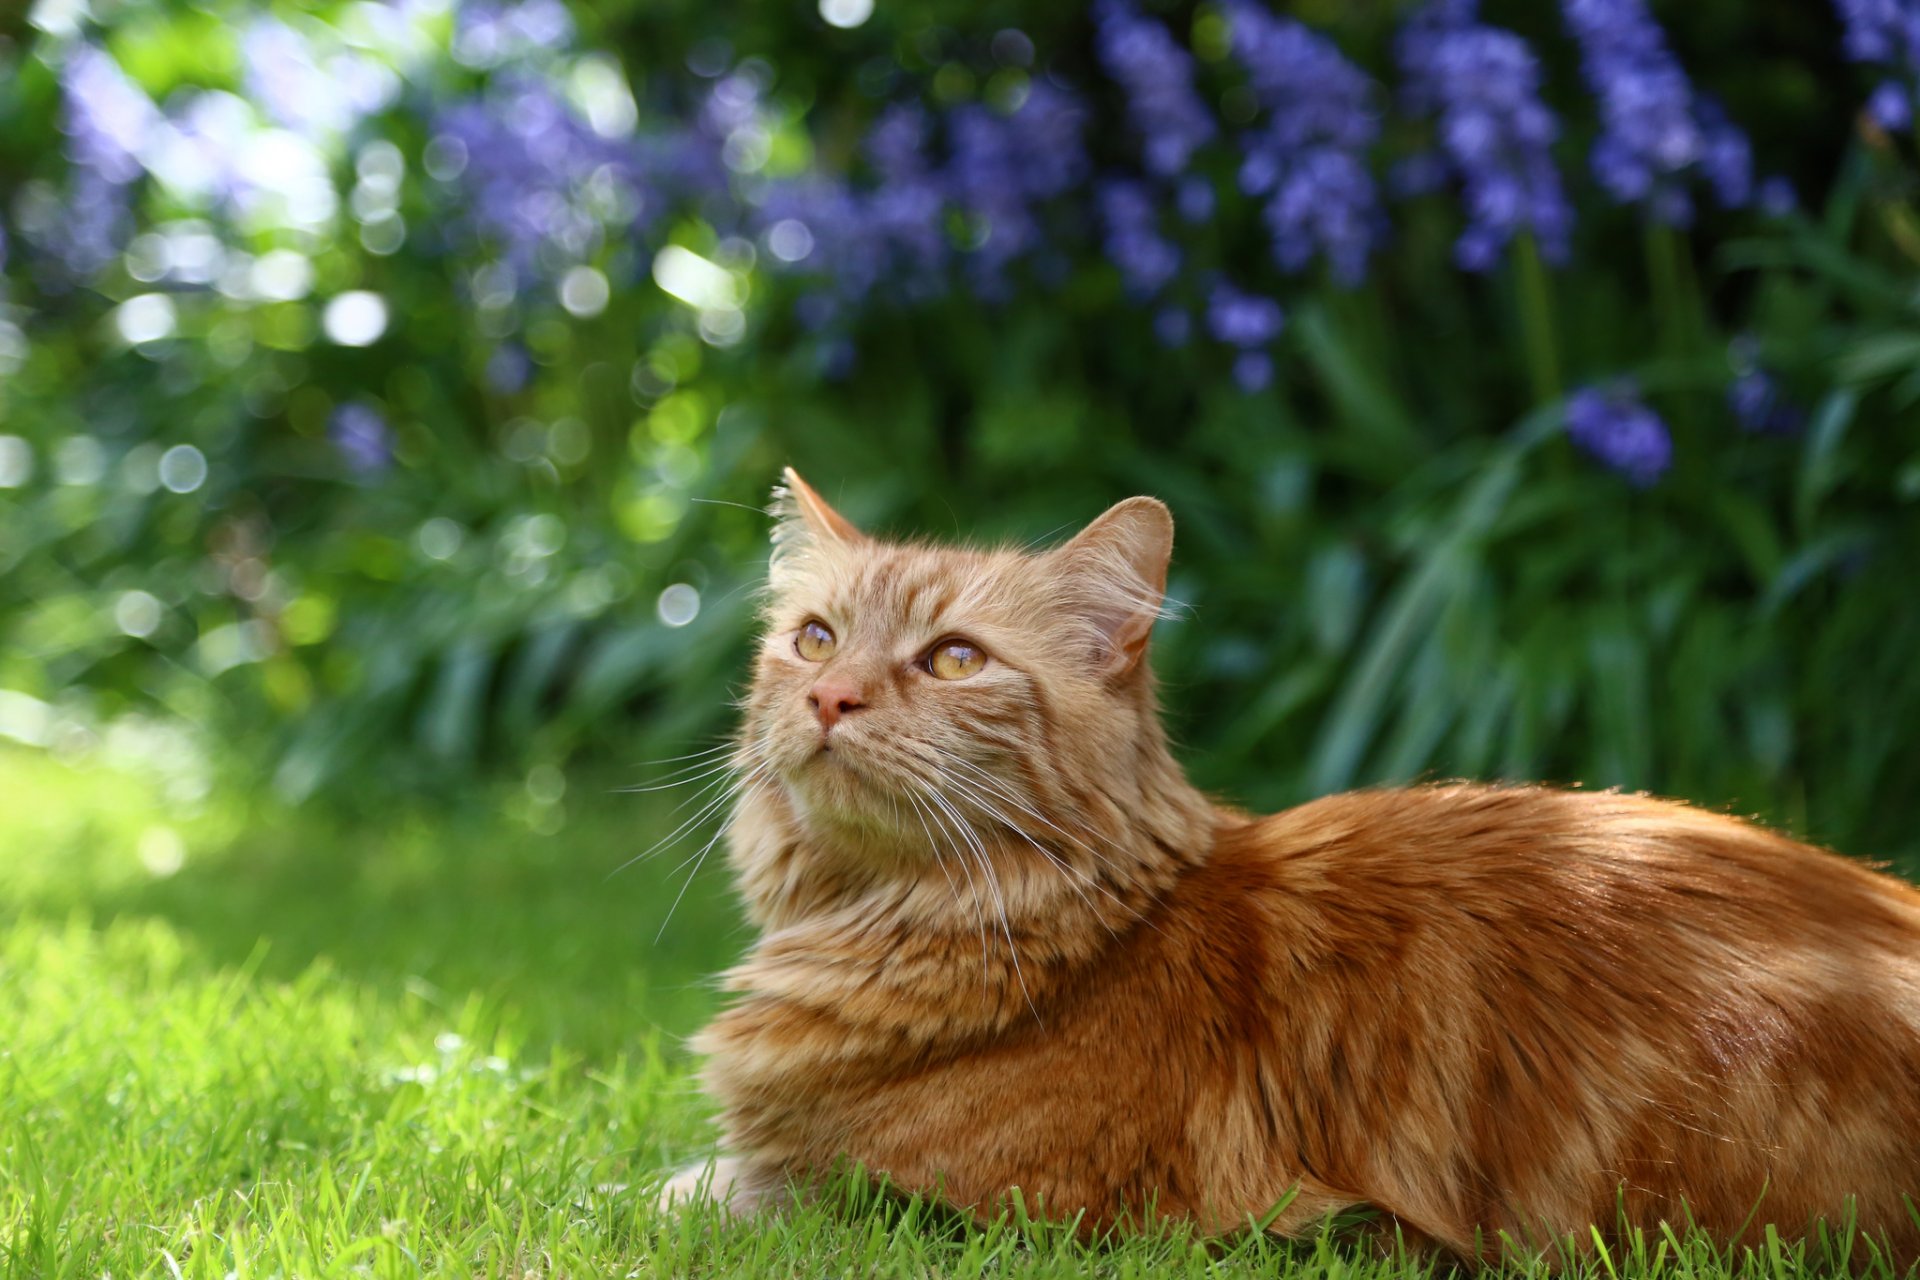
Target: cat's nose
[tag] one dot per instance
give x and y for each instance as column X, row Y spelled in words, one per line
column 833, row 697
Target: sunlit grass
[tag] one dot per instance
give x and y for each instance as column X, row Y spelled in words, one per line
column 261, row 1043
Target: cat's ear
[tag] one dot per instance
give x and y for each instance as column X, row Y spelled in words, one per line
column 1114, row 576
column 802, row 518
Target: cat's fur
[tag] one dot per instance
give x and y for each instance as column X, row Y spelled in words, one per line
column 1005, row 944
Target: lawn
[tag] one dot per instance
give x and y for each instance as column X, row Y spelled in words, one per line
column 244, row 1041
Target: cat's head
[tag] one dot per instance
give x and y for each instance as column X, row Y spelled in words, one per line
column 909, row 697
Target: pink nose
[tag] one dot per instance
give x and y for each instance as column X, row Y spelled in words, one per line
column 833, row 697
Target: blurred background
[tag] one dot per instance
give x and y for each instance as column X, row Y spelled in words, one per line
column 389, row 389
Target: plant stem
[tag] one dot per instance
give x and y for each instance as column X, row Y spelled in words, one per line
column 1537, row 333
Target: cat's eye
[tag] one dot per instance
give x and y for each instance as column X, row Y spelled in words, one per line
column 956, row 660
column 815, row 643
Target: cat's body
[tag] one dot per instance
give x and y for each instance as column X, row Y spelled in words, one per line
column 1006, row 945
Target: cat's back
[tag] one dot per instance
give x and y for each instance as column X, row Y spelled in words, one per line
column 1556, row 999
column 1535, row 862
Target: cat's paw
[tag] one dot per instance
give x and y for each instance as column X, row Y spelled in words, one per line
column 709, row 1181
column 735, row 1186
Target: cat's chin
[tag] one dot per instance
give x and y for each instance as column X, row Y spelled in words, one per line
column 831, row 786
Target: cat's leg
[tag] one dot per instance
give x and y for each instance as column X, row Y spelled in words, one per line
column 738, row 1186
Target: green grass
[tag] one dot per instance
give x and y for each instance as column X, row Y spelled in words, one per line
column 419, row 1042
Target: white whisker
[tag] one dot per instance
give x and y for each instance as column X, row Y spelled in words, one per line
column 978, row 799
column 993, row 884
column 751, row 780
column 973, row 891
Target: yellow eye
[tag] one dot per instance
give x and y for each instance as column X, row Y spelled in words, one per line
column 956, row 660
column 815, row 643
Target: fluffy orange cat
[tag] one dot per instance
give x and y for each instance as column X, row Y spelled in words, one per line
column 1005, row 944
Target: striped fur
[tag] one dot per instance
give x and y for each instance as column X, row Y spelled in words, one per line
column 1006, row 944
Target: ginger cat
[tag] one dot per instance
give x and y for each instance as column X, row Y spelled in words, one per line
column 1006, row 944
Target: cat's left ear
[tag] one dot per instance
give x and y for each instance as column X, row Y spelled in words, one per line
column 1114, row 575
column 802, row 517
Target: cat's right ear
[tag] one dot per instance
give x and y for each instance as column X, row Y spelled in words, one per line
column 802, row 518
column 1114, row 576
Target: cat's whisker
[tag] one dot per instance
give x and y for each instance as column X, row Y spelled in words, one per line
column 728, row 788
column 993, row 884
column 999, row 788
column 982, row 779
column 739, row 789
column 977, row 798
column 697, row 758
column 725, row 744
column 752, row 780
column 973, row 893
column 691, row 774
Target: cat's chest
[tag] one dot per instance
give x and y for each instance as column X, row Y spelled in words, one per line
column 1055, row 1104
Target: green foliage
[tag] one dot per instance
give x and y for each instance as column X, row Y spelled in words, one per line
column 1392, row 564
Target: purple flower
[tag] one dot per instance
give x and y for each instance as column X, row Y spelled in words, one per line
column 1653, row 130
column 488, row 35
column 1003, row 167
column 1173, row 326
column 1758, row 405
column 1495, row 135
column 1157, row 75
column 1614, row 426
column 1242, row 319
column 362, row 437
column 1776, row 198
column 1309, row 156
column 1891, row 106
column 110, row 125
column 296, row 89
column 1754, row 395
column 904, row 214
column 109, row 119
column 1253, row 370
column 539, row 180
column 1885, row 35
column 1147, row 260
column 1726, row 157
column 1194, row 199
column 509, row 368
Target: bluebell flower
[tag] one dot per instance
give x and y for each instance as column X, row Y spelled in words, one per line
column 1616, row 427
column 487, row 34
column 362, row 437
column 109, row 120
column 1172, row 326
column 1495, row 135
column 1242, row 319
column 541, row 182
column 509, row 368
column 1759, row 405
column 1654, row 131
column 304, row 90
column 904, row 214
column 1147, row 260
column 1726, row 156
column 1755, row 397
column 1253, row 371
column 1885, row 35
column 1776, row 197
column 1002, row 167
column 1308, row 158
column 1891, row 106
column 893, row 231
column 1194, row 198
column 110, row 124
column 1157, row 75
